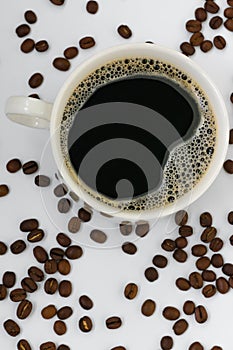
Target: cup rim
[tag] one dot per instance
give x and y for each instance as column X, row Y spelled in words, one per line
column 165, row 54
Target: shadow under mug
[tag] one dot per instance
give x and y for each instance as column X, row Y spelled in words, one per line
column 39, row 114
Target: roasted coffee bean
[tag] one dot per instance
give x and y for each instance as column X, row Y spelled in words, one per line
column 160, row 261
column 36, row 274
column 23, row 344
column 129, row 248
column 187, row 49
column 209, row 276
column 124, row 31
column 58, row 3
column 171, row 313
column 35, row 80
column 126, row 228
column 166, row 343
column 199, row 250
column 92, row 7
column 217, row 260
column 219, row 42
column 193, row 26
column 196, row 346
column 169, row 245
column 61, row 190
column 30, row 167
column 208, row 234
column 228, row 12
column 34, row 96
column 209, row 290
column 59, row 327
column 180, row 326
column 61, row 64
column 18, row 294
column 222, row 285
column 64, row 267
column 74, row 224
column 216, row 348
column 86, row 302
column 228, row 164
column 231, row 137
column 84, row 215
column 18, row 246
column 113, row 322
column 29, row 285
column 3, row 248
column 27, row 45
column 49, row 345
column 131, row 291
column 74, row 252
column 3, row 292
column 51, row 286
column 201, row 315
column 203, row 263
column 22, row 30
column 29, row 225
column 24, row 309
column 8, row 279
column 180, row 255
column 183, row 284
column 230, row 3
column 71, row 52
column 201, row 14
column 63, row 347
column 142, row 229
column 14, row 165
column 50, row 266
column 42, row 46
column 49, row 312
column 195, row 280
column 196, row 39
column 181, row 218
column 215, row 22
column 98, row 236
column 230, row 281
column 119, row 348
column 211, row 6
column 181, row 242
column 148, row 307
column 151, row 274
column 65, row 288
column 185, row 231
column 228, row 269
column 42, row 180
column 206, row 219
column 4, row 190
column 35, row 236
column 87, row 42
column 216, row 244
column 230, row 239
column 231, row 97
column 63, row 239
column 40, row 254
column 30, row 16
column 57, row 253
column 85, row 324
column 64, row 312
column 64, row 205
column 11, row 327
column 189, row 307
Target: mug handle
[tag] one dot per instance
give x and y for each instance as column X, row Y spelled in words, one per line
column 29, row 111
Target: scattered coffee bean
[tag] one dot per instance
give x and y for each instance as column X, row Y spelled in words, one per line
column 209, row 290
column 195, row 280
column 206, row 219
column 168, row 245
column 30, row 167
column 11, row 328
column 29, row 285
column 49, row 345
column 30, row 16
column 203, row 263
column 27, row 45
column 63, row 239
column 35, row 81
column 219, row 42
column 211, row 6
column 58, row 3
column 29, row 225
column 61, row 190
column 50, row 266
column 3, row 248
column 230, row 2
column 230, row 239
column 85, row 324
column 181, row 218
column 166, row 343
column 230, row 217
column 201, row 315
column 92, row 7
column 160, row 261
column 3, row 292
column 189, row 307
column 208, row 234
column 13, row 165
column 124, row 31
column 63, row 347
column 24, row 309
column 215, row 22
column 217, row 260
column 206, row 45
column 42, row 180
column 74, row 224
column 222, row 285
column 23, row 344
column 59, row 327
column 151, row 274
column 23, row 30
column 71, row 52
column 84, row 215
column 231, row 137
column 86, row 302
column 64, row 205
column 196, row 346
column 36, row 274
column 119, row 348
column 228, row 269
column 131, row 291
column 50, row 286
column 65, row 288
column 18, row 294
column 196, row 39
column 18, row 246
column 171, row 313
column 216, row 348
column 57, row 253
column 230, row 281
column 8, row 279
column 126, row 228
column 142, row 229
column 187, row 49
column 74, row 252
column 64, row 267
column 180, row 255
column 64, row 312
column 231, row 97
column 129, row 248
column 229, row 24
column 148, row 307
column 201, row 14
column 216, row 244
column 40, row 254
column 34, row 96
column 182, row 284
column 181, row 242
column 199, row 250
column 180, row 326
column 42, row 46
column 193, row 26
column 49, row 312
column 228, row 12
column 61, row 64
column 35, row 236
column 98, row 236
column 113, row 322
column 185, row 231
column 87, row 42
column 4, row 190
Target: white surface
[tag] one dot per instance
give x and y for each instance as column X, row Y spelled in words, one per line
column 102, row 274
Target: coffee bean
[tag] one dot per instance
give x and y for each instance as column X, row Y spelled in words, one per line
column 230, row 3
column 74, row 252
column 180, row 255
column 87, row 42
column 13, row 165
column 222, row 285
column 22, row 30
column 98, row 236
column 126, row 228
column 199, row 250
column 58, row 3
column 29, row 285
column 193, row 26
column 228, row 269
column 64, row 267
column 187, row 49
column 169, row 245
column 216, row 244
column 51, row 286
column 27, row 45
column 124, row 31
column 231, row 97
column 230, row 239
column 113, row 322
column 85, row 324
column 129, row 248
column 148, row 307
column 65, row 288
column 40, row 254
column 18, row 294
column 74, row 224
column 228, row 12
column 34, row 96
column 63, row 347
column 71, row 52
column 29, row 225
column 131, row 291
column 35, row 81
column 185, row 231
column 23, row 345
column 57, row 253
column 30, row 167
column 196, row 280
column 61, row 190
column 166, row 343
column 189, row 307
column 230, row 281
column 180, row 326
column 196, row 39
column 49, row 345
column 201, row 315
column 229, row 24
column 11, row 328
column 49, row 312
column 211, row 6
column 9, row 279
column 119, row 348
column 181, row 242
column 42, row 180
column 208, row 234
column 203, row 263
column 64, row 205
column 206, row 219
column 171, row 313
column 63, row 239
column 181, row 218
column 4, row 190
column 215, row 22
column 216, row 348
column 230, row 217
column 59, row 327
column 42, row 46
column 64, row 312
column 151, row 274
column 201, row 14
column 3, row 248
column 3, row 292
column 183, row 284
column 35, row 236
column 18, row 246
column 217, row 260
column 61, row 64
column 24, row 309
column 196, row 346
column 231, row 137
column 142, row 229
column 36, row 274
column 86, row 302
column 160, row 261
column 30, row 16
column 84, row 215
column 209, row 290
column 219, row 42
column 92, row 7
column 50, row 266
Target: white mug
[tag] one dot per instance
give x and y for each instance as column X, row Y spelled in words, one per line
column 39, row 114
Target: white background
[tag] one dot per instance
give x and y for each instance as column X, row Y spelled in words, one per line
column 103, row 273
